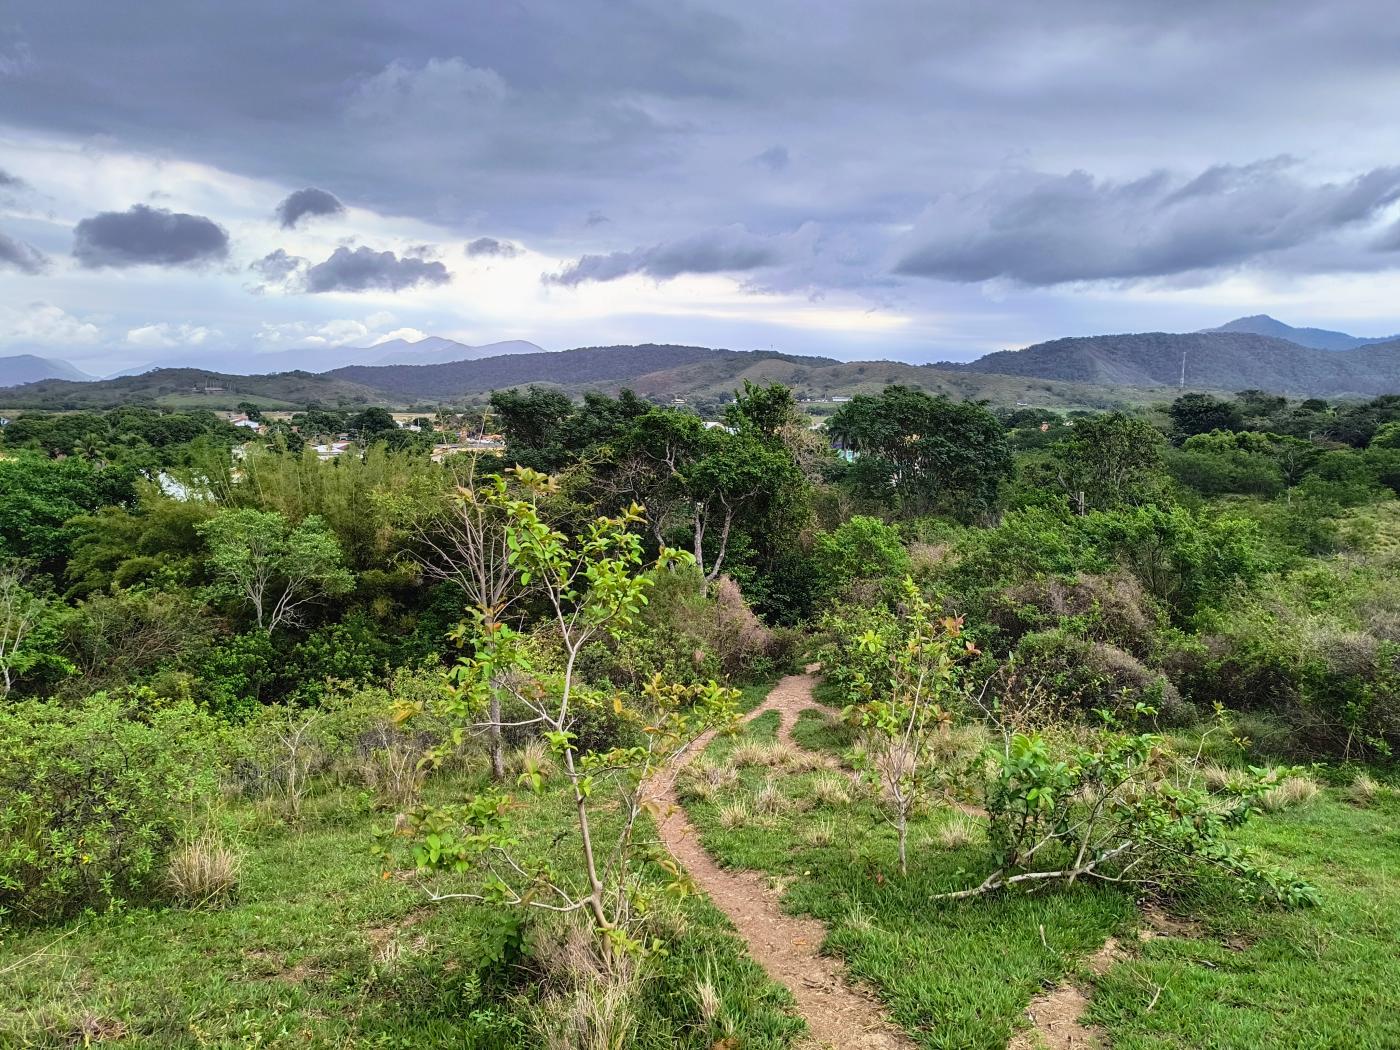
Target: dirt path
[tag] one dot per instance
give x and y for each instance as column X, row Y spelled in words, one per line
column 839, row 1013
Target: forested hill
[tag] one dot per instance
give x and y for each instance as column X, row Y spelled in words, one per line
column 1214, row 360
column 187, row 387
column 583, row 366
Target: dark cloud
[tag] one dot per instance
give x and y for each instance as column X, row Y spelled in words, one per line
column 1040, row 229
column 596, row 218
column 491, row 246
column 143, row 235
column 774, row 158
column 310, row 201
column 364, row 269
column 728, row 249
column 20, row 256
column 11, row 182
column 277, row 267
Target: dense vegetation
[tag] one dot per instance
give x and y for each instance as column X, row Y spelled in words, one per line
column 365, row 751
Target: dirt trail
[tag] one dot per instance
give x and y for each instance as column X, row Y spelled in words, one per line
column 838, row 1013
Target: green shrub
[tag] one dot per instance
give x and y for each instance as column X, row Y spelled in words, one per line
column 94, row 799
column 1088, row 676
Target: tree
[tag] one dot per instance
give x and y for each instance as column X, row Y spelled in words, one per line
column 1202, row 413
column 923, row 452
column 1110, row 460
column 461, row 537
column 21, row 611
column 533, row 425
column 272, row 565
column 904, row 685
column 590, row 586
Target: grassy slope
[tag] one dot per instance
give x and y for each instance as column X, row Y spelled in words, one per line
column 960, row 975
column 320, row 951
column 1327, row 977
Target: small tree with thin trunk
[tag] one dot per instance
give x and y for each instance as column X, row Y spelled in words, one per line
column 275, row 567
column 590, row 586
column 906, row 684
column 462, row 540
column 21, row 611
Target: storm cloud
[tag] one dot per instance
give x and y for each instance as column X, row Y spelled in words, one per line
column 146, row 236
column 307, row 202
column 491, row 246
column 364, row 269
column 20, row 256
column 728, row 249
column 1039, row 229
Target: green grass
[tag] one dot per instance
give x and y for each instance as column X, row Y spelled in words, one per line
column 959, row 975
column 319, row 950
column 954, row 975
column 1323, row 977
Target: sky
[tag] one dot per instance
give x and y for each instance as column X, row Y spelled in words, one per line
column 874, row 179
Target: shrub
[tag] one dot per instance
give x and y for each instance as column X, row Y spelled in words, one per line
column 93, row 797
column 1092, row 675
column 1109, row 608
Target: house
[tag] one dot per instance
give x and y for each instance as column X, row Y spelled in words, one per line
column 330, row 451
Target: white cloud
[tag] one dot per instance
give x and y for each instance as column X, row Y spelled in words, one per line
column 46, row 324
column 163, row 336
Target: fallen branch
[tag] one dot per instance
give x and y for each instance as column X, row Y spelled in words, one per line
column 1000, row 880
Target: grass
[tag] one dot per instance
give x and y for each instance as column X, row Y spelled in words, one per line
column 1324, row 977
column 317, row 950
column 954, row 975
column 959, row 975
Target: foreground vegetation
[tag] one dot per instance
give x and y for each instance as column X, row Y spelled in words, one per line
column 363, row 752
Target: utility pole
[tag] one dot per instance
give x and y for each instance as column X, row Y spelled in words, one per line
column 1183, row 370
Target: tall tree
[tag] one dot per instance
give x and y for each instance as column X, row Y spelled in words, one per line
column 924, row 453
column 1110, row 460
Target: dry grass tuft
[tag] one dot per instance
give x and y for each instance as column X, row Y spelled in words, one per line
column 769, row 801
column 734, row 814
column 531, row 757
column 1290, row 792
column 819, row 833
column 704, row 779
column 204, row 871
column 831, row 790
column 960, row 830
column 1216, row 777
column 1366, row 790
column 591, row 1004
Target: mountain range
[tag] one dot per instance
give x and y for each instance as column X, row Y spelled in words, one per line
column 1090, row 371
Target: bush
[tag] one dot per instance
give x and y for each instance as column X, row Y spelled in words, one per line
column 94, row 799
column 203, row 871
column 1112, row 609
column 1088, row 675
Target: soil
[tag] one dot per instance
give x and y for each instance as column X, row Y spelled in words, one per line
column 839, row 1012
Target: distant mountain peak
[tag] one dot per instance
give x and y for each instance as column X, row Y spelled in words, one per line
column 1316, row 338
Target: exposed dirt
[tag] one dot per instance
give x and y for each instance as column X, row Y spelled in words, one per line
column 1055, row 1015
column 839, row 1013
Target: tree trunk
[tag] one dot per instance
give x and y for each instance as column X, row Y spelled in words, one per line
column 497, row 740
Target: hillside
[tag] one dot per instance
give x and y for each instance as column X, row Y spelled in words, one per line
column 1317, row 338
column 30, row 368
column 1213, row 361
column 189, row 388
